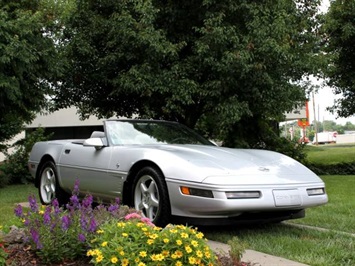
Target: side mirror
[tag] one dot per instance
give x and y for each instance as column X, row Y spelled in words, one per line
column 94, row 142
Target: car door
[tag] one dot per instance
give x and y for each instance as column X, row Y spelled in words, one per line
column 90, row 166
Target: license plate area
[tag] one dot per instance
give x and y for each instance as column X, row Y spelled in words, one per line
column 286, row 197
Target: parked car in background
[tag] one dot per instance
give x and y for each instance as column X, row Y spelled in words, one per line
column 172, row 174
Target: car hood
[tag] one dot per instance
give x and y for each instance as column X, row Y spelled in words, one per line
column 208, row 164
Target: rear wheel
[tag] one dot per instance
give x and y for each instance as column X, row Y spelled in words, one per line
column 150, row 195
column 49, row 187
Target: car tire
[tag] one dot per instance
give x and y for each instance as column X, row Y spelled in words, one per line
column 49, row 188
column 150, row 195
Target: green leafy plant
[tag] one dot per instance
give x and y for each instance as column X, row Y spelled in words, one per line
column 14, row 170
column 236, row 251
column 136, row 241
column 56, row 234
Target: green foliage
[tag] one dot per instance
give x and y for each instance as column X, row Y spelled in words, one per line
column 27, row 63
column 234, row 62
column 15, row 168
column 339, row 29
column 237, row 248
column 57, row 235
column 137, row 241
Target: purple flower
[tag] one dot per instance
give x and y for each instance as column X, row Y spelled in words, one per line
column 33, row 203
column 81, row 237
column 83, row 222
column 87, row 201
column 35, row 238
column 47, row 215
column 113, row 208
column 18, row 211
column 55, row 204
column 66, row 222
column 74, row 201
column 76, row 187
column 93, row 225
column 118, row 201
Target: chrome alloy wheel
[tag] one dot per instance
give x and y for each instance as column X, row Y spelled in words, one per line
column 47, row 185
column 146, row 197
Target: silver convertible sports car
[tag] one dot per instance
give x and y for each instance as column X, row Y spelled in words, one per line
column 172, row 174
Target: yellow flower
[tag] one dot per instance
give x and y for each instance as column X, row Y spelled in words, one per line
column 157, row 257
column 194, row 243
column 192, row 260
column 179, row 242
column 199, row 253
column 144, row 229
column 141, row 264
column 100, row 231
column 150, row 241
column 41, row 212
column 207, row 254
column 166, row 240
column 178, row 263
column 121, row 253
column 121, row 224
column 165, row 253
column 99, row 258
column 104, row 244
column 199, row 235
column 136, row 260
column 124, row 234
column 143, row 254
column 153, row 236
column 188, row 249
column 184, row 235
column 178, row 254
column 114, row 260
column 125, row 262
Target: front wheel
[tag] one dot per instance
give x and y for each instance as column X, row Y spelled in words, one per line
column 49, row 187
column 150, row 195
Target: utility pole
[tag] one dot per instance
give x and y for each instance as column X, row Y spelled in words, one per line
column 315, row 119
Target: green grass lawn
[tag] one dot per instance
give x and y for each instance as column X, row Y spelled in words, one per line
column 9, row 197
column 338, row 214
column 331, row 154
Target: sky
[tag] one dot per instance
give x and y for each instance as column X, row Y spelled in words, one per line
column 325, row 96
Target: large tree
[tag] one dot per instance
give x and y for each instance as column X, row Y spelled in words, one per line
column 340, row 45
column 228, row 66
column 26, row 63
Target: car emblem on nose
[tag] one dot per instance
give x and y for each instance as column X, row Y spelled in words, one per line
column 264, row 169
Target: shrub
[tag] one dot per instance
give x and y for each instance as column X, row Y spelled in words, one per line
column 56, row 234
column 136, row 241
column 15, row 170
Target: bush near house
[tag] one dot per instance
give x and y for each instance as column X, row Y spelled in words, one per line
column 14, row 169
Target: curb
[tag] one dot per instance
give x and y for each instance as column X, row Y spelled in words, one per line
column 254, row 257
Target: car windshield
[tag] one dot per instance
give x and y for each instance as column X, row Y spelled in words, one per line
column 143, row 132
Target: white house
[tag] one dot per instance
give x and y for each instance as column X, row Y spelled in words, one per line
column 63, row 124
